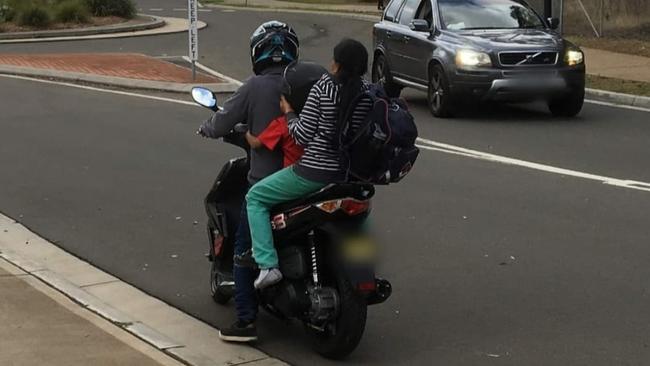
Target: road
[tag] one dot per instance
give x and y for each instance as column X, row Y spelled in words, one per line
column 491, row 263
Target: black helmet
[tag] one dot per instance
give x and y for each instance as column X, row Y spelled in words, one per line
column 299, row 78
column 273, row 42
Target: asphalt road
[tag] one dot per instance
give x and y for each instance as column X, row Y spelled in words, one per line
column 491, row 263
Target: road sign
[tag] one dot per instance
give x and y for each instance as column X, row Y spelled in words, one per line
column 192, row 13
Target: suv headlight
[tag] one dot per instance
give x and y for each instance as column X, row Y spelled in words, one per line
column 573, row 57
column 471, row 58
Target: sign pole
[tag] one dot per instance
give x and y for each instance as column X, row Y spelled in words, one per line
column 192, row 12
column 561, row 16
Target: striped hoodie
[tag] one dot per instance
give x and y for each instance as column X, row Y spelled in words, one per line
column 316, row 130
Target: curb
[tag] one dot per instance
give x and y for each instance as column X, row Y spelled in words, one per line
column 152, row 23
column 227, row 87
column 170, row 25
column 169, row 330
column 618, row 98
column 356, row 15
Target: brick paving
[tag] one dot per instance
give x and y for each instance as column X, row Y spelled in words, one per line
column 124, row 65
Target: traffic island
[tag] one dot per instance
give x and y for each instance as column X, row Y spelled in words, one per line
column 126, row 70
column 163, row 25
column 139, row 23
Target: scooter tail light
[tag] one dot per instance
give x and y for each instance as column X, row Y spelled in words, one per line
column 350, row 206
column 354, row 207
column 367, row 286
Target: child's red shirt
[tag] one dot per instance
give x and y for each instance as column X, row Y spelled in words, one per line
column 276, row 133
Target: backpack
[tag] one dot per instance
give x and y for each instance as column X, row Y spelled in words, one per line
column 382, row 150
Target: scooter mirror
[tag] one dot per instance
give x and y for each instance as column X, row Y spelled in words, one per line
column 204, row 97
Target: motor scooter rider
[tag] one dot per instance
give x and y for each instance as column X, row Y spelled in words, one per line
column 273, row 46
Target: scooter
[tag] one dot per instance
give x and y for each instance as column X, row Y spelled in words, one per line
column 326, row 256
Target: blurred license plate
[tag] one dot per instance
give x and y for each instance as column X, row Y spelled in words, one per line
column 359, row 248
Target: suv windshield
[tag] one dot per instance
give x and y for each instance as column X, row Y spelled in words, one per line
column 488, row 14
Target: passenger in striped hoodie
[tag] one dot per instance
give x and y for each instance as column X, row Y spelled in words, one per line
column 316, row 130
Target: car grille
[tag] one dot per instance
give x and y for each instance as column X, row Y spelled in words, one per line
column 528, row 58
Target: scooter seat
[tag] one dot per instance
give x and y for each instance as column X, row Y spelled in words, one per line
column 330, row 192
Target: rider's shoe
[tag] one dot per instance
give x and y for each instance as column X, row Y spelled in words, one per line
column 241, row 331
column 268, row 277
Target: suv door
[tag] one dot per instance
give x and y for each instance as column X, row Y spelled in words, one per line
column 391, row 37
column 418, row 46
column 402, row 35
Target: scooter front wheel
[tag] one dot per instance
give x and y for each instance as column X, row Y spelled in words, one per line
column 221, row 292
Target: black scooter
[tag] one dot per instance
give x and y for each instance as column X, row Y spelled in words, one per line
column 326, row 257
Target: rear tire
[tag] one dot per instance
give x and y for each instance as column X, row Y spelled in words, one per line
column 568, row 105
column 381, row 75
column 219, row 294
column 439, row 98
column 349, row 326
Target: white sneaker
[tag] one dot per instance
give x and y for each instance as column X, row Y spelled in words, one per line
column 268, row 277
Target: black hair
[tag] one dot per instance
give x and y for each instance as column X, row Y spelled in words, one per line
column 352, row 58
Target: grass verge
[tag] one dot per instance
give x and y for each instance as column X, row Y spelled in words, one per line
column 618, row 85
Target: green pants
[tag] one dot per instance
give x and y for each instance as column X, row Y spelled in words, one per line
column 280, row 187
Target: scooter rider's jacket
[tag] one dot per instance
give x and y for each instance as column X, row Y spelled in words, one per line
column 256, row 103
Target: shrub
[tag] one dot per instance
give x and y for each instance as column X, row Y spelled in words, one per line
column 7, row 11
column 72, row 11
column 118, row 8
column 33, row 16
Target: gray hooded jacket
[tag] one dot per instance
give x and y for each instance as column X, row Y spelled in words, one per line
column 256, row 103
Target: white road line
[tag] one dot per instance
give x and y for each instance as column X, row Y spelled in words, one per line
column 199, row 4
column 179, row 9
column 205, row 10
column 608, row 104
column 162, row 99
column 156, row 9
column 422, row 143
column 458, row 150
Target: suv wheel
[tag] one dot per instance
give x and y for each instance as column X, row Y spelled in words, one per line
column 569, row 105
column 439, row 96
column 382, row 76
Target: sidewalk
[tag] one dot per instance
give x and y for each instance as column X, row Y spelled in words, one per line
column 617, row 65
column 39, row 326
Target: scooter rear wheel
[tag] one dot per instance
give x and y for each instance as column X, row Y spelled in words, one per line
column 343, row 335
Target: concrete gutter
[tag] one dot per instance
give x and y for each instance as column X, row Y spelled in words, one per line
column 143, row 22
column 170, row 25
column 225, row 87
column 618, row 98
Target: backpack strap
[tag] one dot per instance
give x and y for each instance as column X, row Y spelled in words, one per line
column 344, row 123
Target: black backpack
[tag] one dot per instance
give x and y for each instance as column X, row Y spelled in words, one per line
column 382, row 150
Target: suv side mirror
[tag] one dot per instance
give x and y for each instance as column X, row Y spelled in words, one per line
column 553, row 23
column 420, row 25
